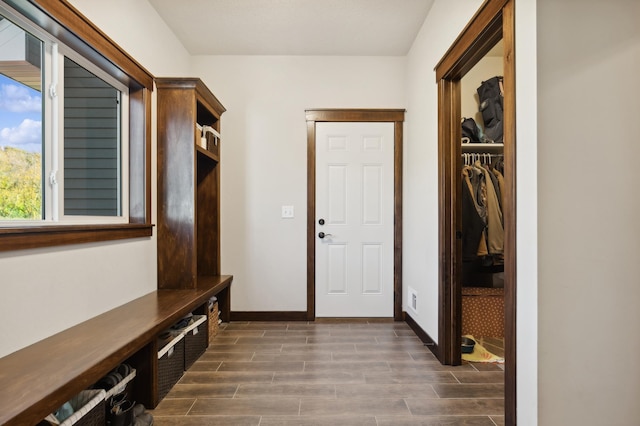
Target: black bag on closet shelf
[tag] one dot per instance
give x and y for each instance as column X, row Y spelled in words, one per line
column 471, row 133
column 490, row 95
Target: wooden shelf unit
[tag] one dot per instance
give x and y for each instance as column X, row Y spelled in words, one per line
column 188, row 183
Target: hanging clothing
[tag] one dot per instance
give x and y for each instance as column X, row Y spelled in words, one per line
column 472, row 225
column 473, row 180
column 495, row 229
column 500, row 178
column 496, row 186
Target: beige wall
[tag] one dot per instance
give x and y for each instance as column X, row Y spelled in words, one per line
column 488, row 67
column 588, row 151
column 420, row 258
column 264, row 159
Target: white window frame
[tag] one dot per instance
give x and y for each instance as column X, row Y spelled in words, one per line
column 52, row 93
column 123, row 164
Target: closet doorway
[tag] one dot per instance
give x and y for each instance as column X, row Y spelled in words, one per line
column 492, row 24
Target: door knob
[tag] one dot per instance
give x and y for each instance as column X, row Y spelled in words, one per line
column 322, row 235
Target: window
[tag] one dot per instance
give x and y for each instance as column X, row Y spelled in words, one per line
column 74, row 131
column 20, row 123
column 82, row 173
column 93, row 145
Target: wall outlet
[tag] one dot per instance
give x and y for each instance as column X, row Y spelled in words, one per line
column 412, row 302
column 287, row 212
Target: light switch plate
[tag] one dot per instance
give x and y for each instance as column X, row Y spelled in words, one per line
column 287, row 212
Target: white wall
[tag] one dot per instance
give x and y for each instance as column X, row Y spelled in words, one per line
column 264, row 159
column 487, row 67
column 420, row 255
column 45, row 291
column 136, row 27
column 526, row 214
column 588, row 151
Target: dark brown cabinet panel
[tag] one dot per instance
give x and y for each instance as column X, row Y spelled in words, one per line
column 188, row 183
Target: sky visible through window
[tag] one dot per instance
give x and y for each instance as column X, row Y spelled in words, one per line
column 21, row 149
column 20, row 116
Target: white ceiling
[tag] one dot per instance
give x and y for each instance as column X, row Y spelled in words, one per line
column 295, row 27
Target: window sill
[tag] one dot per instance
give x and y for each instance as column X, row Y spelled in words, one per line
column 58, row 235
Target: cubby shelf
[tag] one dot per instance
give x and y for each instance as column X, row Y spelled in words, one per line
column 207, row 153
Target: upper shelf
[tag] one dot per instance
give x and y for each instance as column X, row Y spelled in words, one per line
column 207, row 153
column 208, row 141
column 483, row 147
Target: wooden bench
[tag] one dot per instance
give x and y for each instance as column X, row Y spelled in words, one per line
column 37, row 380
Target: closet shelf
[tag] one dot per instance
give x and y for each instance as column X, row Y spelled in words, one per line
column 483, row 147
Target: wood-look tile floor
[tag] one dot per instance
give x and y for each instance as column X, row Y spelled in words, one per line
column 330, row 373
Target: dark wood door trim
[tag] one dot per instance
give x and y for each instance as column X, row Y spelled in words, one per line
column 494, row 20
column 482, row 32
column 314, row 116
column 508, row 36
column 449, row 295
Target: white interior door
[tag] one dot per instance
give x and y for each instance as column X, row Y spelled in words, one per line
column 354, row 219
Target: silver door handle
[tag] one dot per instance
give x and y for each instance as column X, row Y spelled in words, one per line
column 322, row 235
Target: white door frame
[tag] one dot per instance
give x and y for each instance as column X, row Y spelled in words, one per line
column 313, row 116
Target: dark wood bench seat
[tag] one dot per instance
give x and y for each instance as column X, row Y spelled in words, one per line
column 38, row 379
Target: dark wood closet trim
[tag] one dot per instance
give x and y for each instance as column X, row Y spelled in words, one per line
column 62, row 20
column 510, row 218
column 354, row 115
column 450, row 296
column 494, row 20
column 482, row 32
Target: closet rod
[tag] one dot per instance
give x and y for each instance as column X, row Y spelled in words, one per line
column 485, row 158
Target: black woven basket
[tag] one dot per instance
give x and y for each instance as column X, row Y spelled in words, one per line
column 84, row 416
column 95, row 416
column 170, row 369
column 195, row 342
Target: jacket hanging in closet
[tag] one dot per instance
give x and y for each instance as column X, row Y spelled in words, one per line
column 473, row 224
column 482, row 219
column 474, row 207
